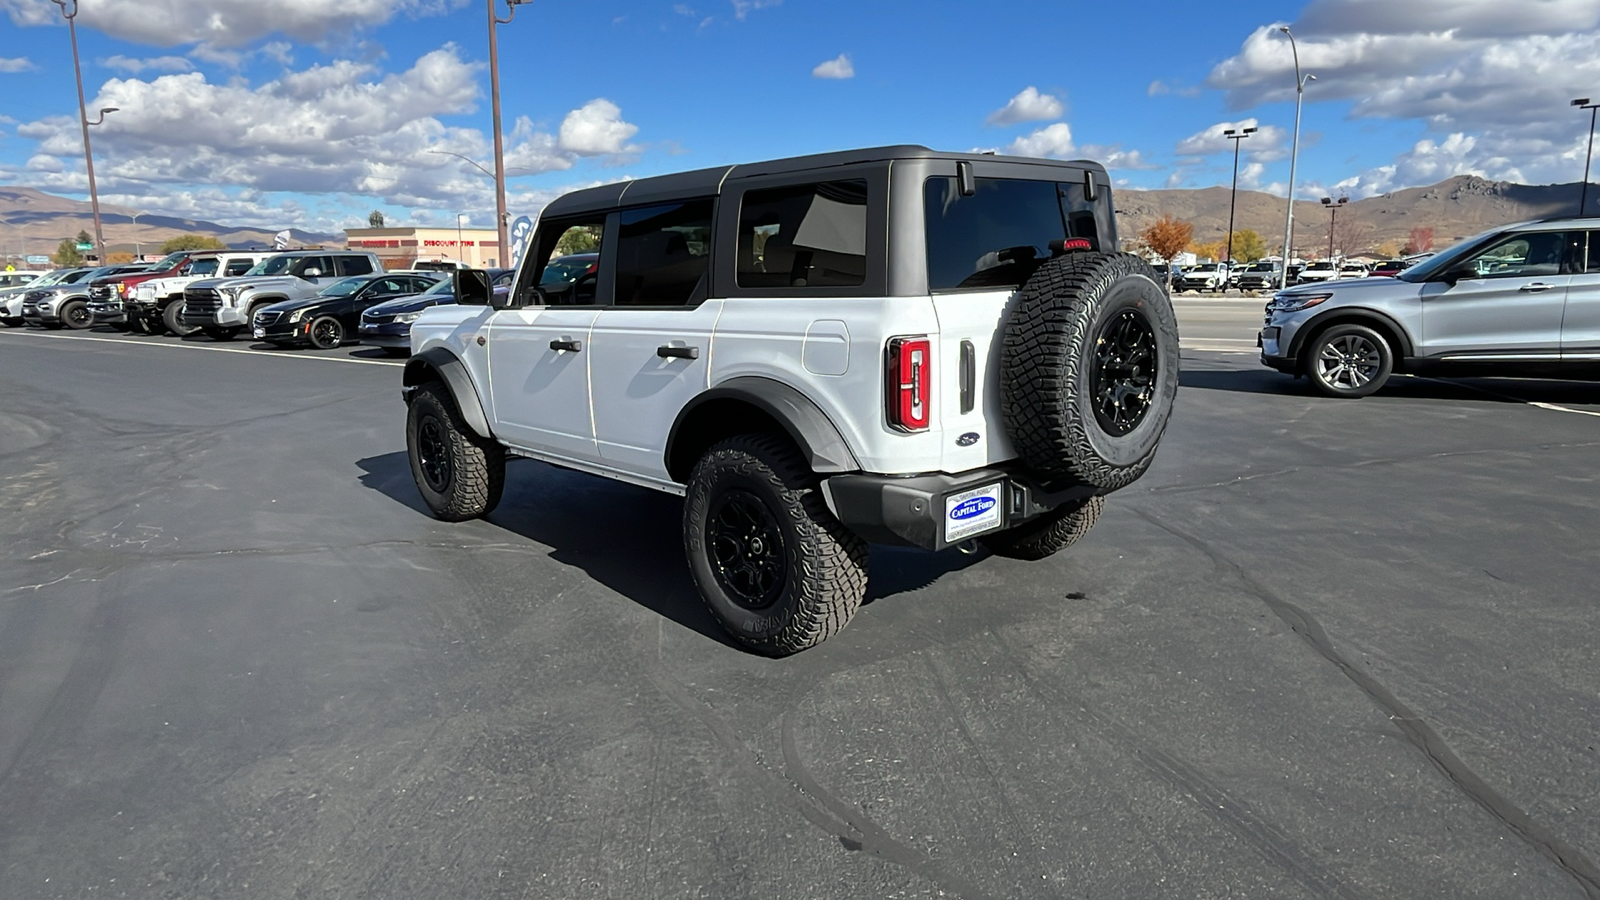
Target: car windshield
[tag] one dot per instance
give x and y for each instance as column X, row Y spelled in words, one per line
column 172, row 260
column 1323, row 266
column 1442, row 261
column 446, row 288
column 51, row 277
column 207, row 266
column 1262, row 267
column 1206, row 267
column 565, row 270
column 345, row 287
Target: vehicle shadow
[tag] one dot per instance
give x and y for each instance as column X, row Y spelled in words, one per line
column 630, row 539
column 1414, row 387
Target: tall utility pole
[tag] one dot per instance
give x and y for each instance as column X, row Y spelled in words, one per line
column 1294, row 152
column 1233, row 195
column 1583, row 103
column 500, row 218
column 83, row 120
column 137, row 254
column 1333, row 216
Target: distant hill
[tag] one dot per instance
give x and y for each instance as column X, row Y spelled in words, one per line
column 1455, row 208
column 41, row 220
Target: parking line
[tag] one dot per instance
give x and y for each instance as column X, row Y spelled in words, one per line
column 259, row 354
column 1553, row 407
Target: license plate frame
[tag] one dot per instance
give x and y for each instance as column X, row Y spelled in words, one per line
column 970, row 513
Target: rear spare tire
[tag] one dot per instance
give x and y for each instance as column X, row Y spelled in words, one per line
column 1089, row 369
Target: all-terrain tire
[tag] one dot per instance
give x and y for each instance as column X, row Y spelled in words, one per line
column 1089, row 369
column 791, row 578
column 459, row 474
column 172, row 317
column 1054, row 531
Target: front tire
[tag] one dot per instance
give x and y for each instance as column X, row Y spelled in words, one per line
column 774, row 566
column 459, row 474
column 1349, row 361
column 172, row 317
column 1047, row 535
column 326, row 333
column 75, row 315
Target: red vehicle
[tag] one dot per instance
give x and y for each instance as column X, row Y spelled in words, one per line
column 1389, row 268
column 108, row 296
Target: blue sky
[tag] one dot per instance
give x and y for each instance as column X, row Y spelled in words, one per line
column 309, row 113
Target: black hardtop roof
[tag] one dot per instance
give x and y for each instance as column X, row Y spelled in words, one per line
column 708, row 182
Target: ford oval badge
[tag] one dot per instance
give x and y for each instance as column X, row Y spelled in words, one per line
column 977, row 506
column 967, row 440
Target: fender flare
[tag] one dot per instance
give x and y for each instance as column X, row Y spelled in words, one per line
column 806, row 424
column 439, row 364
column 1352, row 314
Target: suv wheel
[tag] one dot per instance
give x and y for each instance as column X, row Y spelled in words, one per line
column 75, row 315
column 459, row 474
column 1089, row 369
column 1055, row 530
column 172, row 317
column 773, row 565
column 1349, row 361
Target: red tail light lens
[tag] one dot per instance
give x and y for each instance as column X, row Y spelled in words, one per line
column 910, row 371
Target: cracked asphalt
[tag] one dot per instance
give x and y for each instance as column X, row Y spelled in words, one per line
column 1324, row 649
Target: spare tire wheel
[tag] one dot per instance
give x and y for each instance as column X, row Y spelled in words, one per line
column 1089, row 369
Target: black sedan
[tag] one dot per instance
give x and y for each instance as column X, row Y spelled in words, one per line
column 325, row 320
column 388, row 325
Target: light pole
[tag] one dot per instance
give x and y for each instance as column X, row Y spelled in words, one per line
column 459, row 217
column 1583, row 103
column 137, row 254
column 1294, row 151
column 1233, row 195
column 1333, row 216
column 83, row 120
column 494, row 96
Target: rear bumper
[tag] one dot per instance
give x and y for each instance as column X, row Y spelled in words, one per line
column 939, row 511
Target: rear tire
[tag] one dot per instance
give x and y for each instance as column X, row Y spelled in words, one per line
column 459, row 474
column 1050, row 533
column 172, row 317
column 773, row 565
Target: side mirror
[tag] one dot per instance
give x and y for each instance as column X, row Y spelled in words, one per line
column 311, row 273
column 1466, row 271
column 472, row 287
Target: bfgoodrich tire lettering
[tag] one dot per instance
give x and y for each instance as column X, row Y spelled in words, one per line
column 744, row 494
column 1089, row 369
column 459, row 474
column 1054, row 531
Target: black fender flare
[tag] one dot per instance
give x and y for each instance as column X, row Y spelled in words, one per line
column 1354, row 314
column 439, row 364
column 806, row 424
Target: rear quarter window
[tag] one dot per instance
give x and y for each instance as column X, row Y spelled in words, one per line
column 812, row 235
column 999, row 236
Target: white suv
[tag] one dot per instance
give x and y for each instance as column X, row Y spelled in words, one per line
column 890, row 345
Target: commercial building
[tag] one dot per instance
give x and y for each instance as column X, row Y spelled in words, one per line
column 401, row 248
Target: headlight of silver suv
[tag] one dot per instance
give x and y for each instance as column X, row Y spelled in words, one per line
column 1288, row 303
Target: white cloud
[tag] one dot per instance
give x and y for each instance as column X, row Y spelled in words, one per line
column 1049, row 141
column 1269, row 143
column 838, row 67
column 1114, row 157
column 152, row 64
column 17, row 64
column 742, row 8
column 597, row 129
column 226, row 23
column 1028, row 106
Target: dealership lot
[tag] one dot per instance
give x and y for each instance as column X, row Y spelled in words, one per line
column 1324, row 649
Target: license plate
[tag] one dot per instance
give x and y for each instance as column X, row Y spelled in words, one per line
column 259, row 333
column 971, row 512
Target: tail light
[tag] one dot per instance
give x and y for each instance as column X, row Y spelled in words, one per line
column 910, row 380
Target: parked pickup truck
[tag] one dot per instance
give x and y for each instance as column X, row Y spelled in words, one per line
column 158, row 303
column 223, row 307
column 108, row 296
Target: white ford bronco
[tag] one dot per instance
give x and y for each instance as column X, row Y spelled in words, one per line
column 892, row 345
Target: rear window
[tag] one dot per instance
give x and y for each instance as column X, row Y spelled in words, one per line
column 1000, row 235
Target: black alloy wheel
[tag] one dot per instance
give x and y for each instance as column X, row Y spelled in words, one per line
column 75, row 315
column 746, row 549
column 433, row 454
column 326, row 333
column 1126, row 372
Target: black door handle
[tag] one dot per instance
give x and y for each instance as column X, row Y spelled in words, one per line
column 667, row 351
column 574, row 346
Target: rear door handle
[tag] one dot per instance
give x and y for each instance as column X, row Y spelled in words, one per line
column 573, row 346
column 1536, row 287
column 668, row 351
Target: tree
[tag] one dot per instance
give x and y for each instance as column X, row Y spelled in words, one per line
column 1248, row 246
column 375, row 219
column 1166, row 237
column 192, row 242
column 121, row 256
column 1390, row 249
column 1212, row 250
column 578, row 239
column 84, row 238
column 1421, row 240
column 67, row 255
column 1350, row 236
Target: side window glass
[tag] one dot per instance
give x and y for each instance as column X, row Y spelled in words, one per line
column 355, row 265
column 662, row 253
column 811, row 235
column 1593, row 267
column 998, row 236
column 238, row 267
column 1523, row 256
column 569, row 284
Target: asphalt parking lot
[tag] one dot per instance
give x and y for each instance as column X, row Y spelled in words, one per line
column 1324, row 649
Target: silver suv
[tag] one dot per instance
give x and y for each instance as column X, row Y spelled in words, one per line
column 1520, row 300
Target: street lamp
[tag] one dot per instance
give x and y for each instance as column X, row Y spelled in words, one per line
column 1333, row 215
column 1583, row 103
column 83, row 120
column 1294, row 151
column 1236, row 137
column 459, row 217
column 494, row 95
column 137, row 253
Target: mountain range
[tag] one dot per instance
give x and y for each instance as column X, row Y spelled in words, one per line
column 1455, row 208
